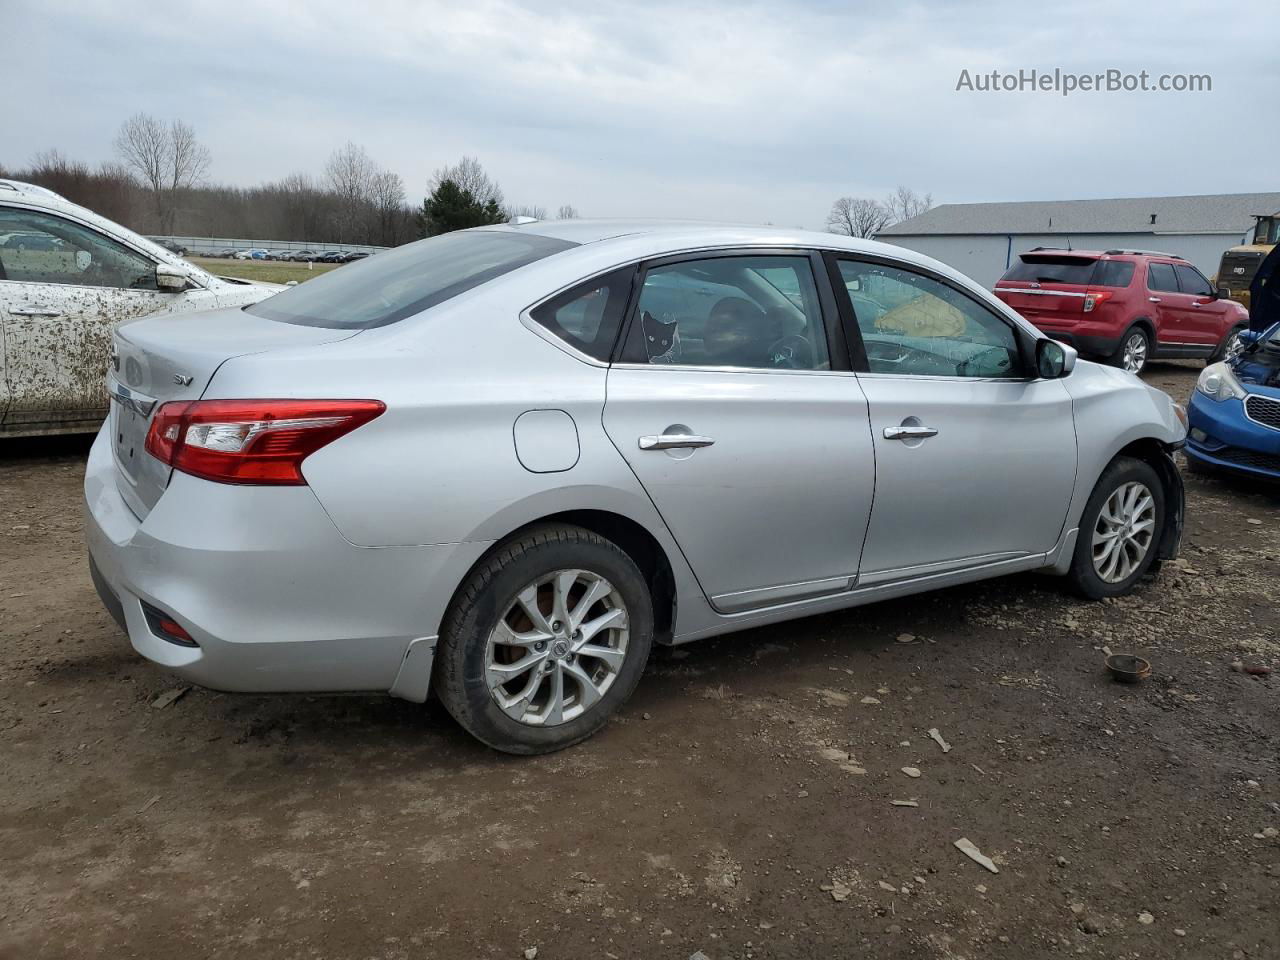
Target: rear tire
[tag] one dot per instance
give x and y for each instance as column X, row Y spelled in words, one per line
column 1133, row 352
column 1119, row 530
column 522, row 606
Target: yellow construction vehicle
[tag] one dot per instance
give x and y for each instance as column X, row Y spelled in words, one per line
column 1239, row 264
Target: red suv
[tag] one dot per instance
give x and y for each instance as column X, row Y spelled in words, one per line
column 1124, row 307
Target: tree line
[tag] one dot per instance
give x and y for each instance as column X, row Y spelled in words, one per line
column 865, row 217
column 158, row 184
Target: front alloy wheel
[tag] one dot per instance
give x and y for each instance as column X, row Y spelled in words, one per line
column 1124, row 532
column 1119, row 532
column 558, row 649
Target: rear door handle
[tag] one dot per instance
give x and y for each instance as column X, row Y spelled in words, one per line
column 1154, row 299
column 909, row 433
column 674, row 441
column 34, row 312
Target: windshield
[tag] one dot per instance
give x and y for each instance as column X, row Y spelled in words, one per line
column 399, row 283
column 1043, row 269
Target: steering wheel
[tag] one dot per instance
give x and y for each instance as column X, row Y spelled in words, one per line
column 792, row 352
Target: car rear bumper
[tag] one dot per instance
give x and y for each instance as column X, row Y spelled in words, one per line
column 1220, row 435
column 272, row 595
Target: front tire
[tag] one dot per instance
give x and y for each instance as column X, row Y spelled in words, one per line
column 1228, row 348
column 545, row 640
column 1134, row 351
column 1119, row 530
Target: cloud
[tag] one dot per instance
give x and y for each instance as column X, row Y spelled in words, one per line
column 742, row 111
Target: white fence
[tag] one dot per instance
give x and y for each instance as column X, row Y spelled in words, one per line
column 208, row 246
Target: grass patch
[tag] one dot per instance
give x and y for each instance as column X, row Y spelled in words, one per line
column 268, row 271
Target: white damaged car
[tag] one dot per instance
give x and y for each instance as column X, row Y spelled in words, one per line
column 67, row 278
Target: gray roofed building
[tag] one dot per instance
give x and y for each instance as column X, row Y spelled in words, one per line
column 981, row 239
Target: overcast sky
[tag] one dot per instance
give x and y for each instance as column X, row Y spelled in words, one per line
column 716, row 109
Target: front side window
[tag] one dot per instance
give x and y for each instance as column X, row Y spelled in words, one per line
column 1160, row 276
column 588, row 316
column 406, row 280
column 1192, row 281
column 915, row 325
column 738, row 311
column 38, row 247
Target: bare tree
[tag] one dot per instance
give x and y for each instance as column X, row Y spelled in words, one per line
column 469, row 175
column 567, row 211
column 526, row 210
column 188, row 158
column 350, row 174
column 857, row 217
column 166, row 158
column 904, row 203
column 389, row 208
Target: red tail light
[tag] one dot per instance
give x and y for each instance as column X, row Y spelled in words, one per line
column 1092, row 300
column 252, row 441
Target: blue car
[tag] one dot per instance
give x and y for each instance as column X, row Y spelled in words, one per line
column 1234, row 413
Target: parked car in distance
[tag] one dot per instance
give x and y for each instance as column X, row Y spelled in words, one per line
column 1234, row 411
column 578, row 438
column 1123, row 307
column 355, row 255
column 302, row 256
column 225, row 254
column 71, row 278
column 173, row 247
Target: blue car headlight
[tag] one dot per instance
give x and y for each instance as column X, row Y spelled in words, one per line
column 1217, row 382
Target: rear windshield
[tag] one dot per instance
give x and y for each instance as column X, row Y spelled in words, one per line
column 1049, row 269
column 399, row 283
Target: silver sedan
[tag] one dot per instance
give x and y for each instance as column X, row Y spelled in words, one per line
column 503, row 463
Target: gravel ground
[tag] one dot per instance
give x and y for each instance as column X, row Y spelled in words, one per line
column 741, row 805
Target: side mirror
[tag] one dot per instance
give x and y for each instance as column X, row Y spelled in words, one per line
column 1054, row 359
column 1222, row 293
column 171, row 278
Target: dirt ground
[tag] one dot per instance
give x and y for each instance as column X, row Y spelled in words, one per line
column 740, row 806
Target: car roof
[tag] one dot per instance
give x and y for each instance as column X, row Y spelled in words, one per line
column 1112, row 254
column 682, row 234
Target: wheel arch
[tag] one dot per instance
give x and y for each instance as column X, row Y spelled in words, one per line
column 631, row 536
column 1159, row 456
column 1146, row 323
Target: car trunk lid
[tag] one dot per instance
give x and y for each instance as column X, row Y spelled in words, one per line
column 165, row 358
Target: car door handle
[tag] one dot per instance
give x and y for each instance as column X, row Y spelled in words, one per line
column 909, row 433
column 34, row 312
column 674, row 441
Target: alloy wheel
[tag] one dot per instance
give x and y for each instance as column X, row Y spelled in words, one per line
column 558, row 648
column 1234, row 346
column 1135, row 352
column 1124, row 532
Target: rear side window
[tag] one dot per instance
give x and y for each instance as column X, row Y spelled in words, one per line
column 1051, row 269
column 399, row 283
column 1191, row 281
column 1113, row 273
column 588, row 316
column 1160, row 276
